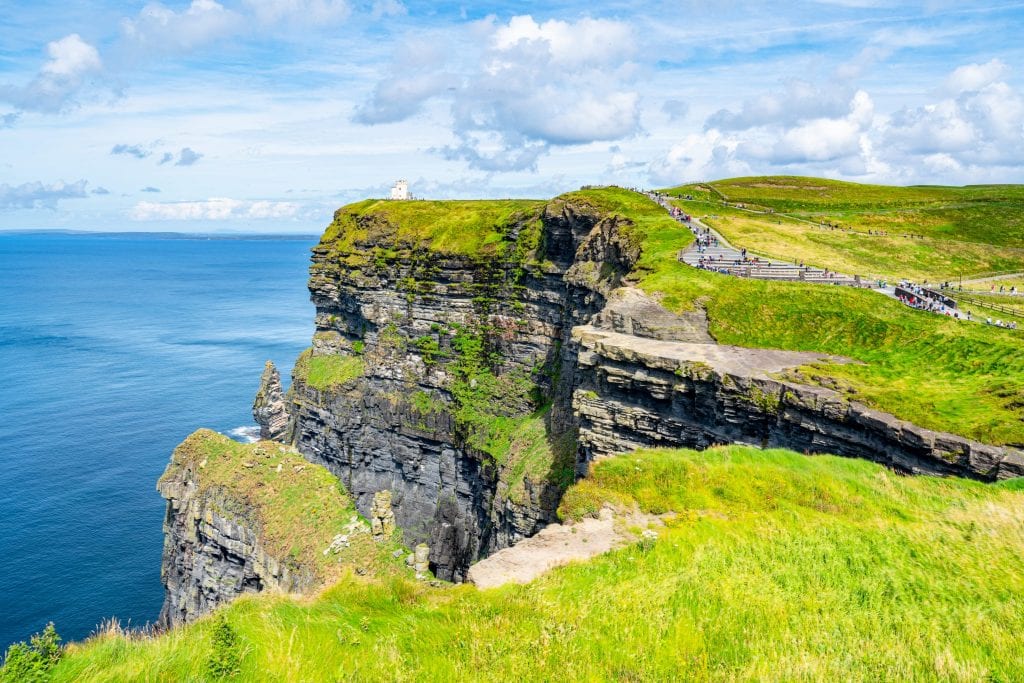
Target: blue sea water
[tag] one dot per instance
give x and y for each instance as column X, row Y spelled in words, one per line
column 112, row 350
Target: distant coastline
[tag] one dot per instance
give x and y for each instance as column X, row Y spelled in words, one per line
column 60, row 232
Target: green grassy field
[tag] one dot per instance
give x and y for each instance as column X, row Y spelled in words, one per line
column 937, row 372
column 771, row 565
column 932, row 233
column 477, row 228
column 989, row 214
column 890, row 257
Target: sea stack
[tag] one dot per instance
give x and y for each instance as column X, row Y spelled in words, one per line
column 268, row 409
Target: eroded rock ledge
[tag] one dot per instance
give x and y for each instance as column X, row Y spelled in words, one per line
column 633, row 393
column 245, row 518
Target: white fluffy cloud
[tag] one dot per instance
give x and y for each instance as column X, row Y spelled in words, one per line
column 585, row 42
column 71, row 57
column 530, row 87
column 824, row 138
column 216, row 209
column 796, row 102
column 699, row 156
column 71, row 61
column 159, row 29
column 972, row 131
column 38, row 195
column 981, row 123
column 973, row 77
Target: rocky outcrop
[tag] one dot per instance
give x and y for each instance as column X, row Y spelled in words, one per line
column 634, row 393
column 212, row 549
column 382, row 517
column 268, row 409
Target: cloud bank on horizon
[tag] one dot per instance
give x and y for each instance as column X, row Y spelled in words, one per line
column 265, row 115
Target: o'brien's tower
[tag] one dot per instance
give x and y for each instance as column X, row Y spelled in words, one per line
column 400, row 190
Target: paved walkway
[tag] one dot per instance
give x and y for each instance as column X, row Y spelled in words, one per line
column 711, row 251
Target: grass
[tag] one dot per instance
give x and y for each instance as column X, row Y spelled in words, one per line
column 986, row 214
column 328, row 371
column 296, row 506
column 477, row 228
column 937, row 372
column 773, row 566
column 889, row 257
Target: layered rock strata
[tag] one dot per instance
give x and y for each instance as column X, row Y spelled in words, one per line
column 633, row 393
column 414, row 318
column 269, row 408
column 212, row 549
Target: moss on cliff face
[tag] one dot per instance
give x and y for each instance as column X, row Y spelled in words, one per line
column 329, row 370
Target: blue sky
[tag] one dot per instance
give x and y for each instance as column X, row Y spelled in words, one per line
column 266, row 115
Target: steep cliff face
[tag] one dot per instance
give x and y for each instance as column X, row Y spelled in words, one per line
column 634, row 393
column 213, row 550
column 212, row 556
column 457, row 406
column 245, row 518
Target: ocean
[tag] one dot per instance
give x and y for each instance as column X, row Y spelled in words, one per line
column 112, row 350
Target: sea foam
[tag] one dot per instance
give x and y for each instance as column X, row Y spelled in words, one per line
column 245, row 433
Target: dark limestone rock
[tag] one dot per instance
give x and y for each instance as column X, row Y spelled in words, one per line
column 268, row 408
column 636, row 393
column 212, row 553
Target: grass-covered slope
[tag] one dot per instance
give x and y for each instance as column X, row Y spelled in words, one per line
column 774, row 566
column 296, row 507
column 940, row 373
column 475, row 228
column 957, row 230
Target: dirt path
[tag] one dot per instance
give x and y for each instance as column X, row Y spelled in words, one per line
column 553, row 546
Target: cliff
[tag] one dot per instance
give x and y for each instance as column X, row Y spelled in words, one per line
column 457, row 363
column 245, row 518
column 437, row 373
column 633, row 393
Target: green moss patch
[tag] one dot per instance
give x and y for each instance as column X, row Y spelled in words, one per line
column 328, row 371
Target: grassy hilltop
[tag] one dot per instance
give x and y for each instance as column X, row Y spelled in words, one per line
column 960, row 230
column 771, row 565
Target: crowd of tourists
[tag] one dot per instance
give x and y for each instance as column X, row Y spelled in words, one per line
column 1012, row 291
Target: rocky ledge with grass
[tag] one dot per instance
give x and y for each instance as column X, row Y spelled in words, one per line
column 633, row 393
column 246, row 518
column 444, row 365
